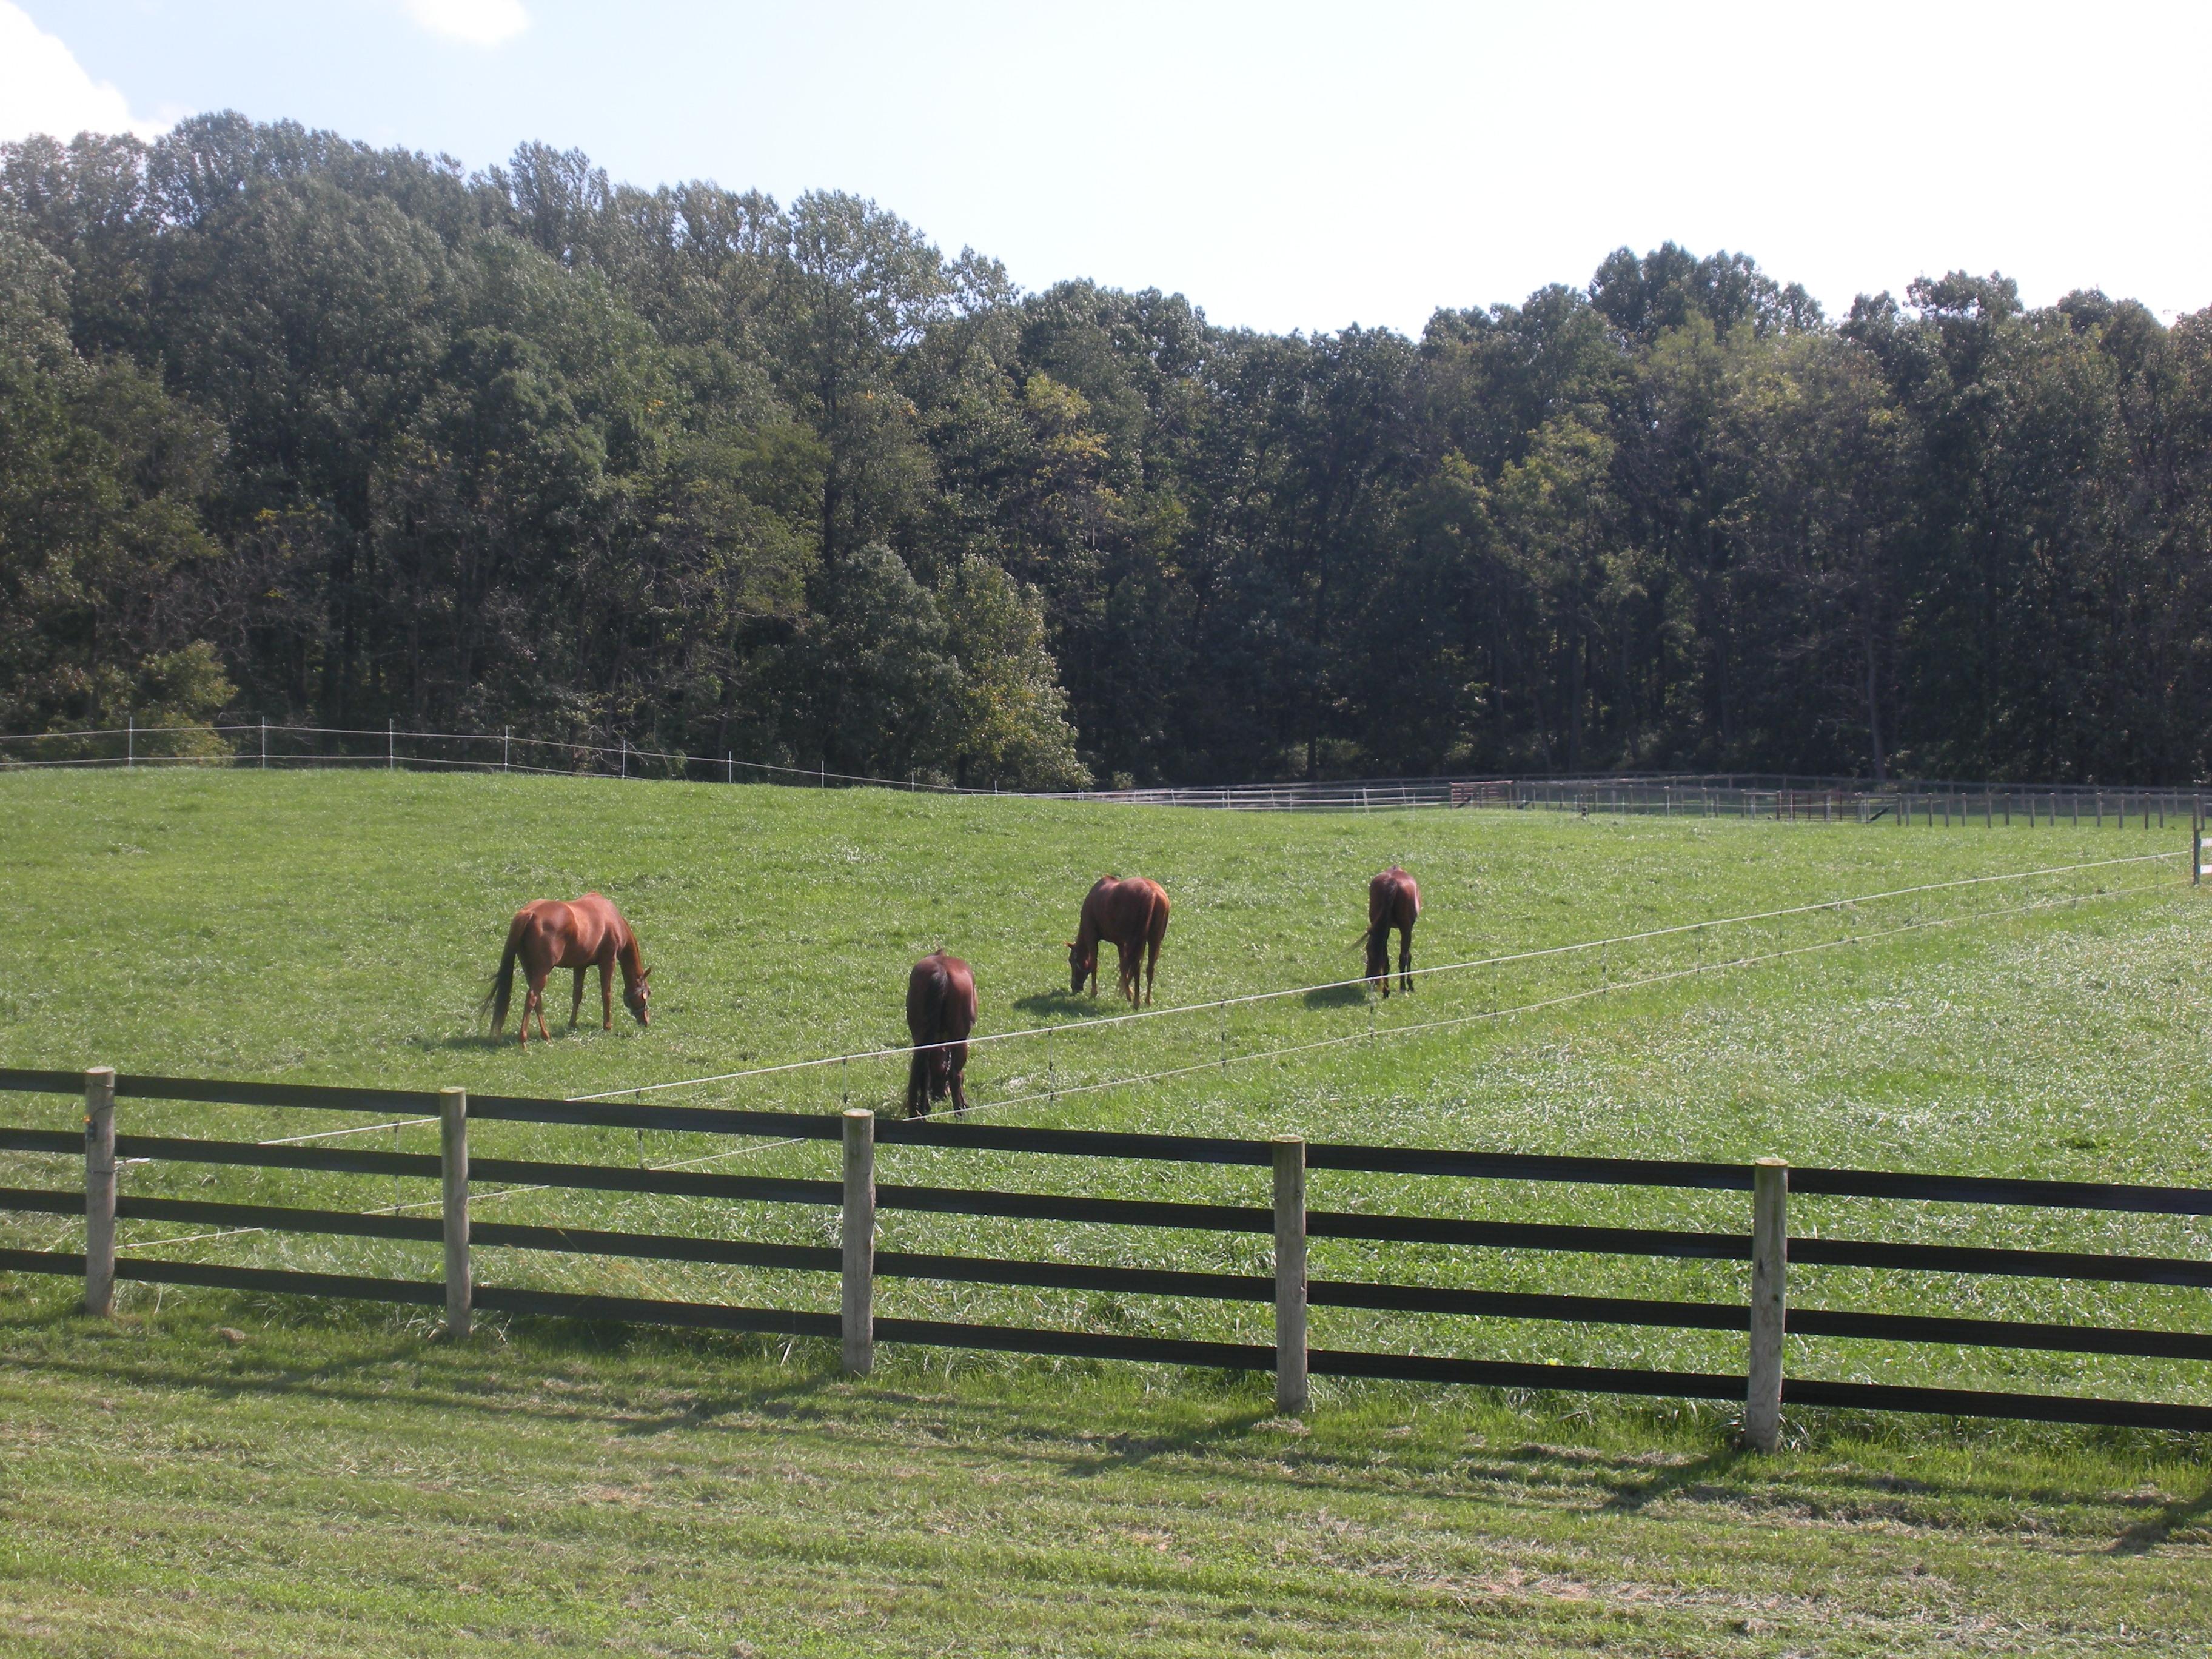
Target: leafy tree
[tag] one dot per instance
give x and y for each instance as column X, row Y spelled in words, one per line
column 1012, row 722
column 309, row 427
column 101, row 544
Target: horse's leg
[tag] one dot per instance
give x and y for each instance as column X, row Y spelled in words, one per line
column 606, row 992
column 1405, row 957
column 534, row 1002
column 958, row 1052
column 576, row 1002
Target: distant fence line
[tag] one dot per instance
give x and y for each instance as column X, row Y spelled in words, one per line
column 1765, row 1317
column 1774, row 796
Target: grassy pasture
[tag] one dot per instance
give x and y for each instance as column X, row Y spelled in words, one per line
column 340, row 927
column 335, row 1483
column 332, row 1486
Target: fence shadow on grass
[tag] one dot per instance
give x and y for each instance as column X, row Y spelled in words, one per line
column 1672, row 1478
column 769, row 1400
column 174, row 1359
column 2150, row 1533
column 1131, row 1451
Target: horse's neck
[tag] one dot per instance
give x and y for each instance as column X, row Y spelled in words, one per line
column 626, row 954
column 1088, row 933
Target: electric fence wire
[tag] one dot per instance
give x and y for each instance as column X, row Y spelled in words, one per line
column 1504, row 960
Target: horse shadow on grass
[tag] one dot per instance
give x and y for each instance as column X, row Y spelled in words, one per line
column 1057, row 1001
column 486, row 1042
column 1336, row 996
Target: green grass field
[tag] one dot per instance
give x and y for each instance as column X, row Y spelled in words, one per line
column 335, row 927
column 337, row 1487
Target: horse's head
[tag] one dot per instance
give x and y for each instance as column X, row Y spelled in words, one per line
column 1378, row 953
column 635, row 994
column 1080, row 963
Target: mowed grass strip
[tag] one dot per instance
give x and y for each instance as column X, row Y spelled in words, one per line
column 341, row 1486
column 340, row 927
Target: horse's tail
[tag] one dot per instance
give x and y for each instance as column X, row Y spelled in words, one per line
column 502, row 983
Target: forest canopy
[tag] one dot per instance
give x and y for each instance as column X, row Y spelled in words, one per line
column 294, row 427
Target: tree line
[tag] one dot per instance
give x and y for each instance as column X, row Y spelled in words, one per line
column 293, row 426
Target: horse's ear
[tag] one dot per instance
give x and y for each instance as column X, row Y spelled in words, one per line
column 643, row 974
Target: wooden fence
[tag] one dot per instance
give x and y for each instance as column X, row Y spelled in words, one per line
column 1765, row 1317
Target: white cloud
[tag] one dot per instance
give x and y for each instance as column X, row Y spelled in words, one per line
column 480, row 23
column 43, row 88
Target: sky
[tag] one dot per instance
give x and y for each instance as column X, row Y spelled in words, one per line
column 1286, row 164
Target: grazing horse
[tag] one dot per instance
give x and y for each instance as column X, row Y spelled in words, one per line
column 1393, row 900
column 1132, row 915
column 940, row 1011
column 548, row 934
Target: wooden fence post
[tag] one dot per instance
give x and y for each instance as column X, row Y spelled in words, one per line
column 1291, row 1393
column 454, row 1165
column 99, row 1190
column 1770, row 1232
column 860, row 1230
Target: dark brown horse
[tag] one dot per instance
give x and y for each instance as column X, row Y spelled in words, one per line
column 1131, row 916
column 586, row 934
column 940, row 1013
column 1393, row 900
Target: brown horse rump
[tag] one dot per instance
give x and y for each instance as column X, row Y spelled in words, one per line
column 1394, row 900
column 940, row 1013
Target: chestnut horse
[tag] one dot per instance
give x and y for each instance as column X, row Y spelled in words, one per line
column 940, row 1011
column 1393, row 900
column 1132, row 915
column 586, row 934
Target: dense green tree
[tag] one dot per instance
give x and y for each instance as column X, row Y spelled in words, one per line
column 296, row 426
column 107, row 575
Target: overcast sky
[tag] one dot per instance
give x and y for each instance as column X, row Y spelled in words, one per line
column 1286, row 165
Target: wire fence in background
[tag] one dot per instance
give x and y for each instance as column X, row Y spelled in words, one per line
column 1785, row 798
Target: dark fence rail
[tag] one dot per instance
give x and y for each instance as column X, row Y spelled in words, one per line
column 1767, row 1246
